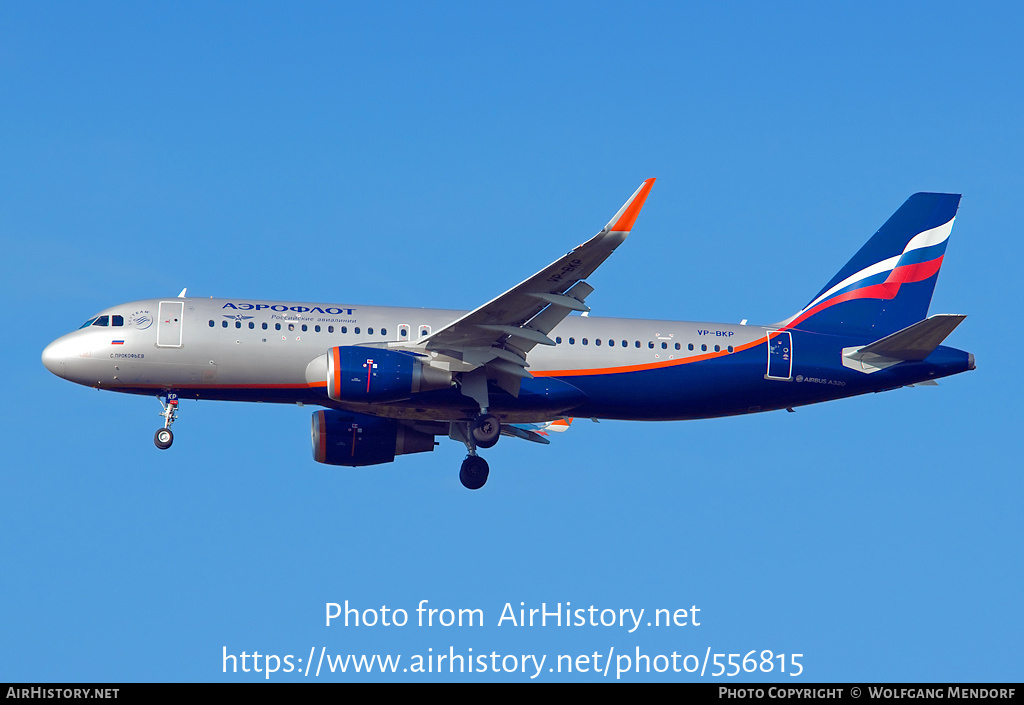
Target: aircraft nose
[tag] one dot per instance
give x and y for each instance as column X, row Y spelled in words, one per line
column 53, row 360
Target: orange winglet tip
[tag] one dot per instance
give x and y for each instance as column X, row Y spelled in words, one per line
column 631, row 210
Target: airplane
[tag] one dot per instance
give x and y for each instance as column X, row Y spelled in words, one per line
column 391, row 380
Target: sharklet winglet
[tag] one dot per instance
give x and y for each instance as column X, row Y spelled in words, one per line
column 624, row 219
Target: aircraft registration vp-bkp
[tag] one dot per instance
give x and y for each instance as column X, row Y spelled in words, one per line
column 391, row 380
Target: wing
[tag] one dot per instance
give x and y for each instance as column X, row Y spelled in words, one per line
column 500, row 334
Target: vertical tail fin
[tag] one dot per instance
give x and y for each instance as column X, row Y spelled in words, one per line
column 888, row 284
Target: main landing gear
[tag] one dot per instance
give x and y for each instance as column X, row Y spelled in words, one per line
column 482, row 432
column 486, row 430
column 474, row 472
column 163, row 438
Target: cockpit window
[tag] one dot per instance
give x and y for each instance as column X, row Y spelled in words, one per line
column 87, row 323
column 116, row 320
column 102, row 321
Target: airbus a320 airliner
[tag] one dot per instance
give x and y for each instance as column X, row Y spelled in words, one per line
column 390, row 380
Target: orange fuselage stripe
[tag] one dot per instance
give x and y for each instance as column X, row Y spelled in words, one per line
column 644, row 366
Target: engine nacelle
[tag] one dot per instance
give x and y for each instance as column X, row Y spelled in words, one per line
column 346, row 438
column 356, row 373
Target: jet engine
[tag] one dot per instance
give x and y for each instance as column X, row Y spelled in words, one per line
column 363, row 374
column 354, row 440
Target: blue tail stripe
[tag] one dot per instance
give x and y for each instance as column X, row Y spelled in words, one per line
column 924, row 254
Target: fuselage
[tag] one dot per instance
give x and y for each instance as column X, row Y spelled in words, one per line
column 252, row 350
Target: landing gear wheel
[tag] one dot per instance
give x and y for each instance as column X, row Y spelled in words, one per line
column 163, row 438
column 486, row 430
column 474, row 472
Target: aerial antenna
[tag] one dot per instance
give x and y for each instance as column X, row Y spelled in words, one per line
column 182, row 294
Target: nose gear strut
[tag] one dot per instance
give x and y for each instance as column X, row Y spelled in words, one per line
column 163, row 438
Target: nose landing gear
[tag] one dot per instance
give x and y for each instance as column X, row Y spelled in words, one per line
column 163, row 438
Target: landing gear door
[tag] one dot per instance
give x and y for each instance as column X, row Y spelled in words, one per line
column 168, row 324
column 780, row 355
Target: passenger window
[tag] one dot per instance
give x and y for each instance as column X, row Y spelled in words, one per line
column 102, row 321
column 211, row 323
column 383, row 331
column 558, row 340
column 344, row 329
column 690, row 346
column 251, row 325
column 238, row 324
column 718, row 348
column 304, row 327
column 316, row 328
column 703, row 347
column 264, row 326
column 223, row 324
column 664, row 346
column 277, row 326
column 330, row 329
column 356, row 330
column 637, row 343
column 572, row 341
column 584, row 341
column 369, row 331
column 650, row 344
column 597, row 341
column 730, row 348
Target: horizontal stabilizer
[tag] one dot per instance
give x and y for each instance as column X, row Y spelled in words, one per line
column 916, row 342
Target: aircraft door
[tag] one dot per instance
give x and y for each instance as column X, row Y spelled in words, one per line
column 168, row 324
column 780, row 355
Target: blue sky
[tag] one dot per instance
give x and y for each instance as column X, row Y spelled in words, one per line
column 435, row 154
